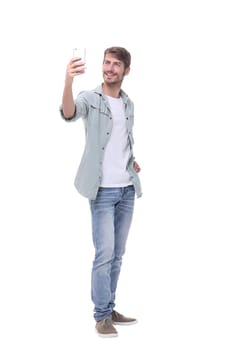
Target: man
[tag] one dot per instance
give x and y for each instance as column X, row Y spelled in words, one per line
column 107, row 175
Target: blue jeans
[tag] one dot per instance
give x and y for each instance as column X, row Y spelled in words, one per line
column 112, row 213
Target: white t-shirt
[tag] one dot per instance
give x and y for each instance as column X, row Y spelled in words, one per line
column 117, row 151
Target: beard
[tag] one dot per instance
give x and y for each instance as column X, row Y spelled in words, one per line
column 113, row 79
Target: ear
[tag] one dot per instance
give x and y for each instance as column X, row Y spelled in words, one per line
column 127, row 70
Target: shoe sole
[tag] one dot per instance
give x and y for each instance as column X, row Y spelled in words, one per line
column 110, row 335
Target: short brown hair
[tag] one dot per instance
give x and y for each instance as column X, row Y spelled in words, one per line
column 120, row 53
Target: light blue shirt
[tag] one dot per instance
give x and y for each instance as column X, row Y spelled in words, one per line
column 93, row 107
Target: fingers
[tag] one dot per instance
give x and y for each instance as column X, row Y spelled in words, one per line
column 76, row 67
column 137, row 167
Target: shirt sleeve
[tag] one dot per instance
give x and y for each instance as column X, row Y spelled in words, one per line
column 81, row 109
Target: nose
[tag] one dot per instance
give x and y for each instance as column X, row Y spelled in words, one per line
column 110, row 66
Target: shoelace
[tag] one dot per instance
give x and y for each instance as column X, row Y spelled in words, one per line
column 116, row 315
column 107, row 323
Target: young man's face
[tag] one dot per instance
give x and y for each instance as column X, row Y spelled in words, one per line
column 113, row 70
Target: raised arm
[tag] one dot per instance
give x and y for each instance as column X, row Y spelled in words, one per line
column 75, row 67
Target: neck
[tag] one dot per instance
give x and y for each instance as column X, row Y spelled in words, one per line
column 112, row 91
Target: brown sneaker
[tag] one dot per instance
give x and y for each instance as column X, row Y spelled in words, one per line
column 122, row 320
column 105, row 328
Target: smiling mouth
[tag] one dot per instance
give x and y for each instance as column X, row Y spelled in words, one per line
column 109, row 75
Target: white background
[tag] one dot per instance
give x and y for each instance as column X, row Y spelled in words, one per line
column 183, row 272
